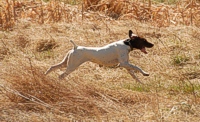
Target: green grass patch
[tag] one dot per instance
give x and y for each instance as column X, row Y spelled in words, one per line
column 166, row 1
column 198, row 56
column 137, row 87
column 44, row 55
column 185, row 88
column 180, row 59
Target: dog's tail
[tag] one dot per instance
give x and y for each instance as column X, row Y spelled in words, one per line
column 75, row 46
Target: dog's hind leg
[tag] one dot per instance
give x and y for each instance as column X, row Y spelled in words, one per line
column 67, row 72
column 74, row 61
column 70, row 68
column 63, row 63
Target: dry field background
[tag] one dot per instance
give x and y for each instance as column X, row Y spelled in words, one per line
column 35, row 35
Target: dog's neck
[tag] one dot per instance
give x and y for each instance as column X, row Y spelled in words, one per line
column 127, row 42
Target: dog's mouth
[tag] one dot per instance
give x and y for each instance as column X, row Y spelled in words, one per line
column 144, row 50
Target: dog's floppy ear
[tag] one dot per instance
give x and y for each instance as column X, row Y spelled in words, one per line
column 132, row 35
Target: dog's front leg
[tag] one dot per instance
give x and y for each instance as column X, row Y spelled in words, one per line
column 131, row 72
column 130, row 67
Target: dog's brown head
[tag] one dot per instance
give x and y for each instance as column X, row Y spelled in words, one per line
column 137, row 42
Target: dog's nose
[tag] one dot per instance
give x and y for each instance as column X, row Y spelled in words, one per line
column 150, row 45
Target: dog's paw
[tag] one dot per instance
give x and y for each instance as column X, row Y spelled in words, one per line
column 146, row 74
column 46, row 73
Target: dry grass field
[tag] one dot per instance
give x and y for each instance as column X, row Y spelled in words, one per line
column 34, row 35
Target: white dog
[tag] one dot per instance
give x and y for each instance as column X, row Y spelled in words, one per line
column 109, row 55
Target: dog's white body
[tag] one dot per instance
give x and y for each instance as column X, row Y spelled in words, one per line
column 109, row 55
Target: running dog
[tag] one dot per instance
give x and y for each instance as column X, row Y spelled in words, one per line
column 116, row 53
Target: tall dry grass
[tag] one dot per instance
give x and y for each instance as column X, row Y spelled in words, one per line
column 34, row 11
column 161, row 15
column 182, row 12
